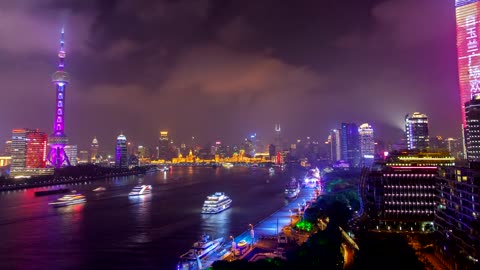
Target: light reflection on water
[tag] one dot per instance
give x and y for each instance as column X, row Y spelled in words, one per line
column 115, row 231
column 140, row 209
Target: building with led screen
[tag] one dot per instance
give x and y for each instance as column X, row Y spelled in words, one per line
column 468, row 31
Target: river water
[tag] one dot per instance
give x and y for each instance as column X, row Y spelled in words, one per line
column 115, row 231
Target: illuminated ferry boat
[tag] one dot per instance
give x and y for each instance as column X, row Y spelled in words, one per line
column 216, row 203
column 227, row 165
column 292, row 189
column 141, row 190
column 69, row 199
column 199, row 250
column 99, row 189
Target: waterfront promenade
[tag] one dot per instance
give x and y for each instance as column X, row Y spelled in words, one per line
column 268, row 228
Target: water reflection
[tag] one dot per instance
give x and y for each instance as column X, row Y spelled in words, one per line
column 140, row 210
column 219, row 224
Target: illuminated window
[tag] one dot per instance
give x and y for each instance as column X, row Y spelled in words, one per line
column 60, row 95
column 59, row 112
column 59, row 119
column 60, row 104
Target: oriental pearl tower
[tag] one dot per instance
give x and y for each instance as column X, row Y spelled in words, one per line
column 58, row 140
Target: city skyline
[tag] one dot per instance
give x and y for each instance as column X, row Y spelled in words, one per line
column 141, row 83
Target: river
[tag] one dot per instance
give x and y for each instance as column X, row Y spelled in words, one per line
column 115, row 231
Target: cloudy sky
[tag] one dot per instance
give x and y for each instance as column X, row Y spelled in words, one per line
column 222, row 69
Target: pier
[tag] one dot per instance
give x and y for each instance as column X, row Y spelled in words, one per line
column 269, row 228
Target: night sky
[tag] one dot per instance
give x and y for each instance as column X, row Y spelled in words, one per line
column 220, row 69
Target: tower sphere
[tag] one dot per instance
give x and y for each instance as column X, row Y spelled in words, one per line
column 60, row 76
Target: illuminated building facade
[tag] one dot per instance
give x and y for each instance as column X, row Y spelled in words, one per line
column 29, row 149
column 72, row 153
column 121, row 158
column 94, row 156
column 416, row 131
column 19, row 149
column 278, row 138
column 468, row 31
column 458, row 216
column 36, row 152
column 334, row 141
column 472, row 130
column 8, row 148
column 350, row 144
column 400, row 194
column 58, row 140
column 367, row 141
column 163, row 146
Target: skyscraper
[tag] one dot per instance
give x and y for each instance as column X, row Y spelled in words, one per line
column 335, row 149
column 19, row 149
column 472, row 130
column 468, row 32
column 121, row 159
column 350, row 144
column 278, row 138
column 58, row 140
column 72, row 153
column 163, row 145
column 367, row 142
column 29, row 151
column 36, row 151
column 416, row 131
column 94, row 151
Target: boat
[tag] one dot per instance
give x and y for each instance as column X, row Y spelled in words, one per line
column 99, row 189
column 199, row 250
column 51, row 192
column 227, row 165
column 141, row 190
column 216, row 203
column 292, row 189
column 69, row 199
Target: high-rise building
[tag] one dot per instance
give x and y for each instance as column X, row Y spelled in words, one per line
column 468, row 33
column 8, row 148
column 335, row 146
column 367, row 141
column 416, row 131
column 83, row 157
column 350, row 144
column 163, row 145
column 457, row 216
column 94, row 157
column 36, row 154
column 58, row 140
column 278, row 138
column 121, row 158
column 141, row 151
column 29, row 150
column 19, row 149
column 472, row 129
column 72, row 151
column 399, row 194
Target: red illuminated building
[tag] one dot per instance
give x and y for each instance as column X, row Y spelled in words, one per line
column 36, row 154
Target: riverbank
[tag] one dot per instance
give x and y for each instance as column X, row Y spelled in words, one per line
column 66, row 177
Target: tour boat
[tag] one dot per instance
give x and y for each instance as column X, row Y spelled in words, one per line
column 216, row 203
column 69, row 199
column 141, row 190
column 99, row 189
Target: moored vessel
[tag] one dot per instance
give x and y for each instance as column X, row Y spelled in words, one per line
column 204, row 247
column 292, row 189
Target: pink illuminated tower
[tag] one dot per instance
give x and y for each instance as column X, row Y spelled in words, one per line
column 58, row 140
